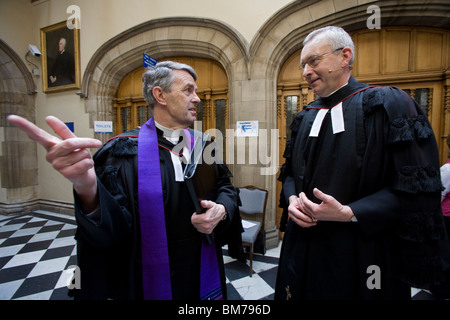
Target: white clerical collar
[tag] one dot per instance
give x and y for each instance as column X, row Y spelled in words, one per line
column 172, row 135
column 337, row 118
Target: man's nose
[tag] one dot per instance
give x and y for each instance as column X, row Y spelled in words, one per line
column 196, row 98
column 306, row 70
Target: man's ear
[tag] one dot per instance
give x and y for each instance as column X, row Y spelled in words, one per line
column 347, row 54
column 158, row 94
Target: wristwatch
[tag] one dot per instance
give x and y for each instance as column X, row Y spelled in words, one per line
column 353, row 219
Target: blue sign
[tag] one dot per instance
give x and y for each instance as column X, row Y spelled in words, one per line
column 149, row 62
column 70, row 126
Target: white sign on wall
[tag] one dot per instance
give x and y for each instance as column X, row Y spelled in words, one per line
column 247, row 128
column 103, row 126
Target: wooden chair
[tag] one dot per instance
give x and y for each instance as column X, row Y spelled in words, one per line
column 253, row 207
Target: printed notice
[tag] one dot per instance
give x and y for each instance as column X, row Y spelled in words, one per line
column 247, row 128
column 103, row 126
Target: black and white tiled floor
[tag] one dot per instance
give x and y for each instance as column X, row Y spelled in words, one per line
column 38, row 255
column 36, row 250
column 260, row 286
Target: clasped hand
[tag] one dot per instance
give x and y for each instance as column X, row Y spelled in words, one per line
column 207, row 222
column 307, row 213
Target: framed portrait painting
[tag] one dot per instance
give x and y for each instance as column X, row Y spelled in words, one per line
column 60, row 58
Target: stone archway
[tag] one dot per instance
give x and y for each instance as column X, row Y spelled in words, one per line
column 18, row 166
column 159, row 38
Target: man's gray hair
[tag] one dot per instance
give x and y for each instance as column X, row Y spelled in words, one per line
column 337, row 37
column 161, row 75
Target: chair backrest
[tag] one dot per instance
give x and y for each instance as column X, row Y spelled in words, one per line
column 253, row 201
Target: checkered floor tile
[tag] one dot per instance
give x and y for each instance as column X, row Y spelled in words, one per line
column 260, row 286
column 38, row 255
column 36, row 251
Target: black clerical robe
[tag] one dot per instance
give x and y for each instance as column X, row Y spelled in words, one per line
column 385, row 166
column 63, row 69
column 109, row 250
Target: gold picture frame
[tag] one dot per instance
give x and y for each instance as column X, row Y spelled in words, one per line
column 60, row 48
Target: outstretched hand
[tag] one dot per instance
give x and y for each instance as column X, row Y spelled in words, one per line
column 68, row 154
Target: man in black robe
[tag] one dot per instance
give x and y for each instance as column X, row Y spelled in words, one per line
column 63, row 69
column 361, row 187
column 113, row 224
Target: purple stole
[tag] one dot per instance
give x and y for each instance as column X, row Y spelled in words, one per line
column 155, row 256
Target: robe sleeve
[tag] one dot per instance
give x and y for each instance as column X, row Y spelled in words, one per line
column 113, row 221
column 417, row 186
column 229, row 231
column 228, row 196
column 286, row 176
column 110, row 227
column 377, row 213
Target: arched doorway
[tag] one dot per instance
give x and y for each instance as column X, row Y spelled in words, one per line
column 19, row 164
column 130, row 109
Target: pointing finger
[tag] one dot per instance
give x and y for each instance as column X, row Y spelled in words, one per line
column 72, row 142
column 59, row 127
column 47, row 140
column 34, row 132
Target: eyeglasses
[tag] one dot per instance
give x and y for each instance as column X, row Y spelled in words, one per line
column 313, row 61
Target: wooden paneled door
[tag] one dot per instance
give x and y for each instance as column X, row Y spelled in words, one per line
column 415, row 60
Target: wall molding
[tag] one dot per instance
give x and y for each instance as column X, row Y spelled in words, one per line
column 17, row 208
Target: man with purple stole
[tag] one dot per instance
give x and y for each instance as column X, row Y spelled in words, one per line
column 138, row 235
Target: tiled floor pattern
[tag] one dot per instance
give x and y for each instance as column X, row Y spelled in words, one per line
column 38, row 254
